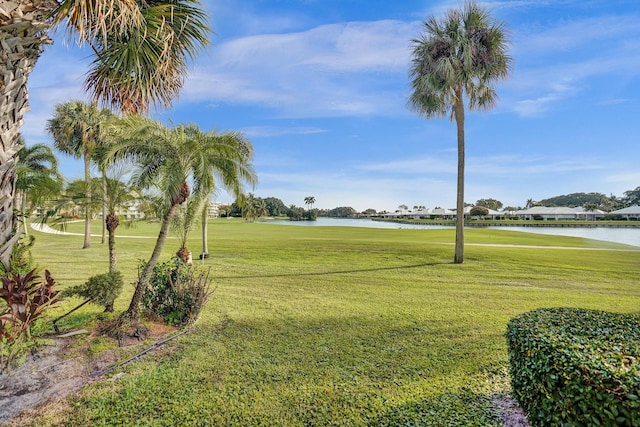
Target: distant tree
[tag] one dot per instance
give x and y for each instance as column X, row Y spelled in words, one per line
column 342, row 212
column 590, row 207
column 224, row 210
column 275, row 206
column 369, row 212
column 458, row 57
column 632, row 197
column 295, row 213
column 403, row 208
column 574, row 199
column 511, row 208
column 479, row 211
column 611, row 203
column 492, row 204
column 309, row 201
column 529, row 204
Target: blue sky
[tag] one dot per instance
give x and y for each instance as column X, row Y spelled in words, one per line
column 320, row 87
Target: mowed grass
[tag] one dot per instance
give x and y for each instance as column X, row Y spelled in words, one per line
column 339, row 326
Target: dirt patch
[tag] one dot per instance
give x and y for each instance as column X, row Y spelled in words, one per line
column 44, row 375
column 58, row 369
column 512, row 413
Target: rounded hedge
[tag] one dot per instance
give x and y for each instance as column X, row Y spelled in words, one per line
column 576, row 367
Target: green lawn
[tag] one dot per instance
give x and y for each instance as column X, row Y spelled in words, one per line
column 339, row 326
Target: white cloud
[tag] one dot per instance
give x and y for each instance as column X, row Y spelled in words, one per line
column 347, row 69
column 271, row 131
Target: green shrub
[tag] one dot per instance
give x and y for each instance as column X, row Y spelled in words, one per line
column 576, row 367
column 102, row 289
column 177, row 292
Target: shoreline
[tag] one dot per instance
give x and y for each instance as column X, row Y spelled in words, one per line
column 533, row 223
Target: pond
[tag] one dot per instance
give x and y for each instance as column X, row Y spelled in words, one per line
column 628, row 236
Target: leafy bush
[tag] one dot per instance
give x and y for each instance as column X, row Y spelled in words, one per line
column 23, row 299
column 177, row 292
column 102, row 289
column 576, row 367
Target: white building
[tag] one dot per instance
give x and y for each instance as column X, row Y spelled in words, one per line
column 632, row 212
column 559, row 213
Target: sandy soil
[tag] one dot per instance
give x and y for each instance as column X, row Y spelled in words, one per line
column 44, row 376
column 57, row 370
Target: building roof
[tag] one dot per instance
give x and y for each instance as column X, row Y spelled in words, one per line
column 631, row 210
column 558, row 210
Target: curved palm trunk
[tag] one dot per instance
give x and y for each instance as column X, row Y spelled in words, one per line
column 87, row 207
column 22, row 31
column 458, row 110
column 133, row 312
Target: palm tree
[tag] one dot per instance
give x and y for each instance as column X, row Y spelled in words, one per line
column 114, row 194
column 37, row 178
column 171, row 159
column 77, row 129
column 148, row 42
column 244, row 148
column 455, row 58
column 309, row 201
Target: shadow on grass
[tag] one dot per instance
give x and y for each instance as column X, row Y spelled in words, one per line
column 327, row 273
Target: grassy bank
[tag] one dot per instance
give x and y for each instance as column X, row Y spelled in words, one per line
column 340, row 326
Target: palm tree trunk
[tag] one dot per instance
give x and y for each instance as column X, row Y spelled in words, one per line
column 23, row 32
column 133, row 312
column 23, row 209
column 205, row 230
column 112, row 252
column 87, row 207
column 104, row 205
column 458, row 110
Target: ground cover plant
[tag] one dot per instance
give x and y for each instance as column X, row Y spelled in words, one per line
column 339, row 325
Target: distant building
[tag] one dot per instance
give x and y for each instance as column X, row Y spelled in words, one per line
column 214, row 208
column 558, row 213
column 630, row 213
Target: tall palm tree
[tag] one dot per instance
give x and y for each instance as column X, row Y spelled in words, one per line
column 77, row 130
column 175, row 159
column 245, row 151
column 309, row 201
column 455, row 59
column 150, row 42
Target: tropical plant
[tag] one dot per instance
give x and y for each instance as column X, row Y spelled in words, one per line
column 183, row 223
column 77, row 130
column 37, row 178
column 173, row 159
column 114, row 194
column 458, row 57
column 150, row 42
column 23, row 300
column 177, row 292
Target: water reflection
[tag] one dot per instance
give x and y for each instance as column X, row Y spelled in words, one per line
column 628, row 236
